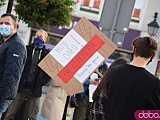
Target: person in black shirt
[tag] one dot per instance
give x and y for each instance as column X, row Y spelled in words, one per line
column 131, row 87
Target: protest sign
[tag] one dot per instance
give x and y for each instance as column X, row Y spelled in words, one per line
column 77, row 56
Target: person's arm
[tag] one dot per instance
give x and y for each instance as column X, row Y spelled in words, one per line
column 14, row 63
column 93, row 81
column 90, row 81
column 45, row 78
column 86, row 83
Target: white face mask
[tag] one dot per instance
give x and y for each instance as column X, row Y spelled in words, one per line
column 5, row 30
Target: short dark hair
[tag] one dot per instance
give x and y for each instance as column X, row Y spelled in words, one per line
column 11, row 15
column 144, row 46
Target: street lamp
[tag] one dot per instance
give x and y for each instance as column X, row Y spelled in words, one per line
column 153, row 26
column 9, row 6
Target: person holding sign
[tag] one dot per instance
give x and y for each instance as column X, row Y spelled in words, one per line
column 131, row 87
column 81, row 111
column 32, row 80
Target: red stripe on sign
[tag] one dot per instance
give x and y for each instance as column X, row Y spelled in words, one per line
column 82, row 56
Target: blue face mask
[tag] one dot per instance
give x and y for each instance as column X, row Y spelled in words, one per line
column 5, row 30
column 38, row 43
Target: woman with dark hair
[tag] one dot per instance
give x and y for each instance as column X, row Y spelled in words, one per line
column 97, row 111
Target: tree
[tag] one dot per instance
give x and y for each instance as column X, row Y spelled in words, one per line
column 44, row 12
column 2, row 2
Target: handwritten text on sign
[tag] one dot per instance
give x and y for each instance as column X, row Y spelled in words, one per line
column 81, row 58
column 68, row 47
column 88, row 67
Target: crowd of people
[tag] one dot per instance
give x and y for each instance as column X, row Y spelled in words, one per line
column 125, row 86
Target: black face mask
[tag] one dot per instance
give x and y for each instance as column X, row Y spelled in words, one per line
column 132, row 54
column 38, row 43
column 150, row 59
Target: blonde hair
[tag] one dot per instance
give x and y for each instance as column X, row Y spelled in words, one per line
column 44, row 32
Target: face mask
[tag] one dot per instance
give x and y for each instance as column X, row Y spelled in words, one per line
column 132, row 54
column 5, row 30
column 38, row 43
column 150, row 59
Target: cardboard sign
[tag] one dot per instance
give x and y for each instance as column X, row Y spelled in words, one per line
column 77, row 56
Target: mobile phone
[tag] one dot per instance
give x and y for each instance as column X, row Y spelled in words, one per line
column 97, row 79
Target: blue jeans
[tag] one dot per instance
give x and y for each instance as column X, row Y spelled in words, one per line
column 31, row 106
column 39, row 117
column 4, row 105
column 0, row 115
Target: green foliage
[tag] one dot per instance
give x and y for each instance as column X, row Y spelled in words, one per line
column 2, row 2
column 44, row 12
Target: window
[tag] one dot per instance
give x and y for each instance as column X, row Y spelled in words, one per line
column 91, row 6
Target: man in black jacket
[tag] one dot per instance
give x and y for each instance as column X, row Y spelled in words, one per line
column 32, row 80
column 12, row 59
